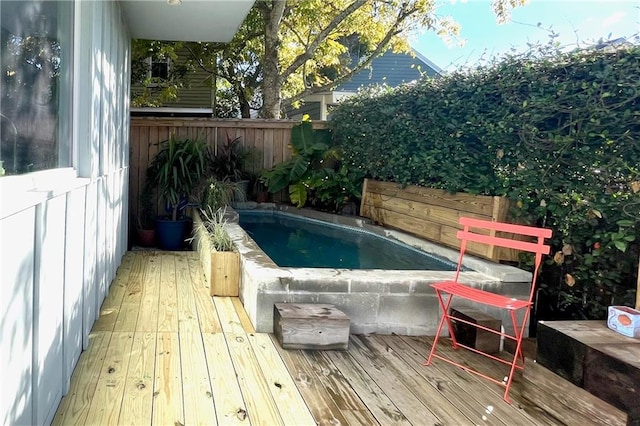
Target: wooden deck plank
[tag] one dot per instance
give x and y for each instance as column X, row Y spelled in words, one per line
column 74, row 407
column 488, row 393
column 318, row 399
column 339, row 388
column 168, row 305
column 415, row 401
column 228, row 315
column 133, row 291
column 111, row 305
column 332, row 379
column 107, row 399
column 470, row 386
column 196, row 386
column 381, row 407
column 167, row 389
column 187, row 310
column 148, row 315
column 464, row 390
column 127, row 316
column 496, row 369
column 207, row 314
column 261, row 407
column 545, row 388
column 227, row 397
column 138, row 393
column 378, row 380
column 292, row 407
column 242, row 315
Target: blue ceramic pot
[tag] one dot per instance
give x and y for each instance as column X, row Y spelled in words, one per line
column 171, row 233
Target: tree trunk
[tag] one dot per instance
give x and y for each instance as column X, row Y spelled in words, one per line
column 245, row 108
column 271, row 99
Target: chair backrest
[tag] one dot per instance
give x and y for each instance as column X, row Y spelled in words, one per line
column 484, row 232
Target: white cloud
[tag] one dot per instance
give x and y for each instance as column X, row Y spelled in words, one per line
column 613, row 19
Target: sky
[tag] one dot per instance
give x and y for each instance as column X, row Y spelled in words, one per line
column 578, row 23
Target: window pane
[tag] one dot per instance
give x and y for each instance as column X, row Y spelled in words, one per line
column 35, row 107
column 160, row 70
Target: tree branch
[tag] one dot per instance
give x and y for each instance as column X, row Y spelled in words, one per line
column 313, row 46
column 380, row 49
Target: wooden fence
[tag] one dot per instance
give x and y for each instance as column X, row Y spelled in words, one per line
column 270, row 139
column 433, row 214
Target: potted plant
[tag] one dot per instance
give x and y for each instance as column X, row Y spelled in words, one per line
column 215, row 194
column 231, row 161
column 220, row 261
column 175, row 172
column 146, row 219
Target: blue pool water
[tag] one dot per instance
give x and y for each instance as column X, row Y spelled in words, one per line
column 293, row 241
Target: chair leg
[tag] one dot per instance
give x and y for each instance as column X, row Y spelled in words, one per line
column 518, row 353
column 440, row 324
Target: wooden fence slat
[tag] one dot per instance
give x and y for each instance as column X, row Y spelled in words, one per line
column 433, row 214
column 270, row 138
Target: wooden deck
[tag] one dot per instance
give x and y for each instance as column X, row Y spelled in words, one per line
column 164, row 352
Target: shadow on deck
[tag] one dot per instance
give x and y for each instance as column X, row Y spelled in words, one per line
column 164, row 352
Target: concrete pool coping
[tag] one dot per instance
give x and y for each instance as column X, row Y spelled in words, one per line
column 376, row 301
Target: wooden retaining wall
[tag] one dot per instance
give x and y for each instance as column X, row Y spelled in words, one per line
column 433, row 214
column 270, row 138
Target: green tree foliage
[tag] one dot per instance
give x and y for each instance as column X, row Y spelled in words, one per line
column 556, row 132
column 286, row 50
column 315, row 173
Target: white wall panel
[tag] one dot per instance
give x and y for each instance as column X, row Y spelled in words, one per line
column 73, row 283
column 59, row 257
column 17, row 234
column 101, row 248
column 48, row 307
column 90, row 299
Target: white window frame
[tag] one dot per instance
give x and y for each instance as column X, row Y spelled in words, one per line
column 20, row 192
column 149, row 61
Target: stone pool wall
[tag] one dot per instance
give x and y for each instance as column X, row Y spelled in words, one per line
column 376, row 301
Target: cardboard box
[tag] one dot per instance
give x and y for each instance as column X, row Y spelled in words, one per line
column 624, row 320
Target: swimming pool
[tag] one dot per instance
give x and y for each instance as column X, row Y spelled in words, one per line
column 376, row 300
column 302, row 242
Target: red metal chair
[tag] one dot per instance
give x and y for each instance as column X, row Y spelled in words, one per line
column 484, row 232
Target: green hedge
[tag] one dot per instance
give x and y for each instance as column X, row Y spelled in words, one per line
column 560, row 134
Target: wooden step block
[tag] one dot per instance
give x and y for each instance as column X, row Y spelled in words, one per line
column 567, row 402
column 310, row 326
column 474, row 337
column 597, row 359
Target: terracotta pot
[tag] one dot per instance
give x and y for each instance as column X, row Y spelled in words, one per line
column 147, row 237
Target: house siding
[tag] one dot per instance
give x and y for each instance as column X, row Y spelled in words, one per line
column 312, row 109
column 197, row 91
column 61, row 247
column 392, row 69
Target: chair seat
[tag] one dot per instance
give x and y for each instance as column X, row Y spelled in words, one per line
column 480, row 296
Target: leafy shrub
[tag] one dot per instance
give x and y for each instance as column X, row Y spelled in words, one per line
column 557, row 133
column 314, row 174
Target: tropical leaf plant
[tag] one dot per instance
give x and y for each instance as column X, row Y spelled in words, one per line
column 312, row 155
column 176, row 171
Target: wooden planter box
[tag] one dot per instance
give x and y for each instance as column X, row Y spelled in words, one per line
column 433, row 214
column 221, row 268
